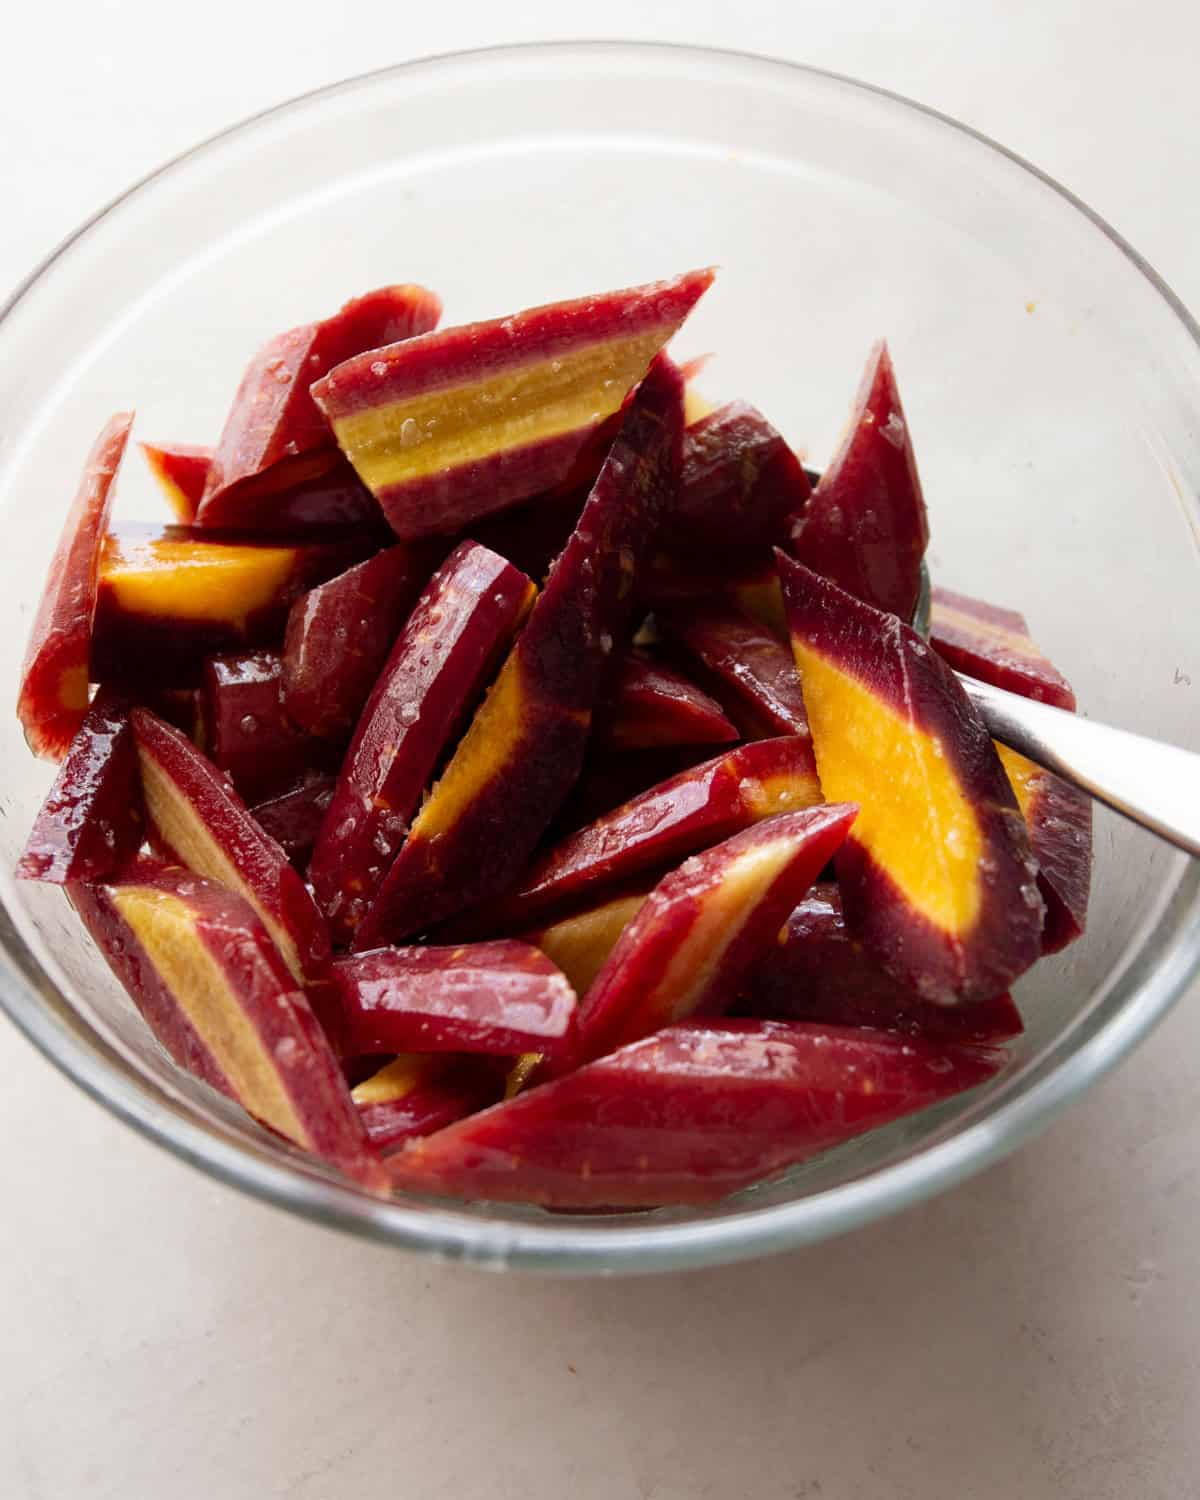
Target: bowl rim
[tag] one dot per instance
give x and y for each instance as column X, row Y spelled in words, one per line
column 77, row 1049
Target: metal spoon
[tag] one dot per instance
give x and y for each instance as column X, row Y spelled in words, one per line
column 1153, row 784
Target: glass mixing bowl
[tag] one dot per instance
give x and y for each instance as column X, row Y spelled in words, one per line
column 1053, row 387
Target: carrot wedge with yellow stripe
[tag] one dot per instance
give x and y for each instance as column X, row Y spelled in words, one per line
column 689, row 1115
column 195, row 817
column 459, row 629
column 168, row 596
column 202, row 969
column 994, row 645
column 705, row 926
column 937, row 876
column 451, row 426
column 274, row 431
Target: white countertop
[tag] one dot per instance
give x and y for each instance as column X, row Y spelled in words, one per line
column 1035, row 1333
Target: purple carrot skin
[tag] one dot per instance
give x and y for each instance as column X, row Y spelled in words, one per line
column 293, row 819
column 247, row 733
column 746, row 667
column 937, row 875
column 818, row 972
column 686, row 813
column 196, row 818
column 1059, row 819
column 705, row 926
column 865, row 526
column 459, row 424
column 316, row 492
column 339, row 636
column 500, row 998
column 739, row 487
column 91, row 821
column 204, row 972
column 689, row 1115
column 170, row 596
column 994, row 645
column 525, row 746
column 138, row 974
column 182, row 471
column 415, row 1095
column 455, row 635
column 53, row 696
column 273, row 418
column 652, row 705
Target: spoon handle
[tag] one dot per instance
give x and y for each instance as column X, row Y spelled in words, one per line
column 1156, row 785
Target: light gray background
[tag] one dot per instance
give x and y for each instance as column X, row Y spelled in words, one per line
column 1032, row 1334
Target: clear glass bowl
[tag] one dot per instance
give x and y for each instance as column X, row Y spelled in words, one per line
column 1053, row 386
